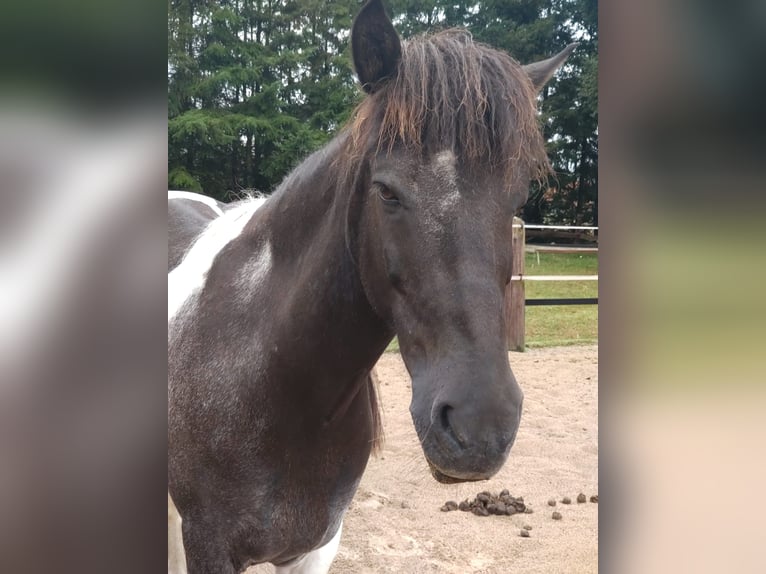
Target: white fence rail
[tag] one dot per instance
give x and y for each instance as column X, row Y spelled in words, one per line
column 515, row 301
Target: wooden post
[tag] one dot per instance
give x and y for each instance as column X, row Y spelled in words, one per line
column 514, row 291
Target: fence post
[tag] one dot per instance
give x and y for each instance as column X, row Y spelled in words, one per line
column 514, row 291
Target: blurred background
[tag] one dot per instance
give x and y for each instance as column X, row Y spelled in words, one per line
column 95, row 123
column 83, row 163
column 682, row 367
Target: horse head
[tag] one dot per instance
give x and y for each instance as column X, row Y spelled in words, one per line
column 449, row 141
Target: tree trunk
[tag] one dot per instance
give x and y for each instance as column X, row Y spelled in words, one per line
column 247, row 178
column 581, row 181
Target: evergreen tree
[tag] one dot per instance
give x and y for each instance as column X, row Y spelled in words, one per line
column 255, row 85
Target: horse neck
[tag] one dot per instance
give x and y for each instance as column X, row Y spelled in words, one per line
column 326, row 299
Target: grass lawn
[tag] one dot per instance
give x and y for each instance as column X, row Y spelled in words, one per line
column 564, row 324
column 558, row 325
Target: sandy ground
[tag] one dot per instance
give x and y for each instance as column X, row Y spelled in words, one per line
column 394, row 523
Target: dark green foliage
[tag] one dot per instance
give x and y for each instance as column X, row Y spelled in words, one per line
column 253, row 87
column 256, row 85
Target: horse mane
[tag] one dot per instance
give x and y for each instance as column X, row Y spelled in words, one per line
column 450, row 92
column 373, row 388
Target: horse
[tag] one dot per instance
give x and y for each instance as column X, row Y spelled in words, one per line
column 280, row 307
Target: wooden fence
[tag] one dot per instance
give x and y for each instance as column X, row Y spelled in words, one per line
column 515, row 300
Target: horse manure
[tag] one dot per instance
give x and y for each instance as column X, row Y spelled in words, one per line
column 524, row 533
column 581, row 498
column 556, row 516
column 594, row 498
column 449, row 506
column 527, row 527
column 486, row 503
column 566, row 500
column 480, row 511
column 552, row 502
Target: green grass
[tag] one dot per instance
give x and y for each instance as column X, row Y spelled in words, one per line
column 564, row 324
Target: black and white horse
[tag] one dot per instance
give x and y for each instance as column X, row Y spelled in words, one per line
column 278, row 308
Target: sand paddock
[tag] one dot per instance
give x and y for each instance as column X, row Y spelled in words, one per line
column 395, row 525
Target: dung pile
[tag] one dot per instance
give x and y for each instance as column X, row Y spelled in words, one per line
column 486, row 503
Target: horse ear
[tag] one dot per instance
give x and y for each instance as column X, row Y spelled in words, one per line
column 375, row 46
column 541, row 72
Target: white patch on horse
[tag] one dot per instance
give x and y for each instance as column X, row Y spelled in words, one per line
column 442, row 203
column 445, row 159
column 189, row 277
column 443, row 166
column 209, row 201
column 252, row 274
column 315, row 562
column 176, row 552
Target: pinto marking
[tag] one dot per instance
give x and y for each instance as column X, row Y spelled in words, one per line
column 176, row 552
column 253, row 274
column 189, row 277
column 209, row 201
column 315, row 562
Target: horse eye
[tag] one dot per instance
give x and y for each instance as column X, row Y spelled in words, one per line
column 387, row 195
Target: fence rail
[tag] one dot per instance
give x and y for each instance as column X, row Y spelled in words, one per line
column 572, row 227
column 560, row 249
column 578, row 301
column 554, row 278
column 515, row 301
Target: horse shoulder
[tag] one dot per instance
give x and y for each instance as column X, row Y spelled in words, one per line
column 188, row 216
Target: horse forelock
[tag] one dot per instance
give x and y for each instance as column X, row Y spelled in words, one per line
column 451, row 93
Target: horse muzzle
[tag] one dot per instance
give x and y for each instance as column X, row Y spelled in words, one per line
column 468, row 442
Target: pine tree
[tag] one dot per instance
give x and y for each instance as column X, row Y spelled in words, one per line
column 256, row 85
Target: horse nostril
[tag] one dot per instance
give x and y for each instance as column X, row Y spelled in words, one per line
column 444, row 416
column 444, row 420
